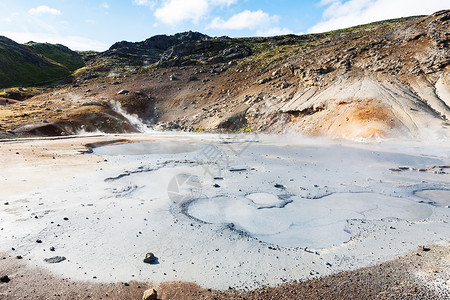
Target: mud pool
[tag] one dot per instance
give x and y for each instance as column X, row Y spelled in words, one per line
column 225, row 210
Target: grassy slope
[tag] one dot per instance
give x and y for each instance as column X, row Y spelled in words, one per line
column 59, row 54
column 21, row 66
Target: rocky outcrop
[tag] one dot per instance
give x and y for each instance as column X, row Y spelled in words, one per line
column 149, row 51
column 206, row 51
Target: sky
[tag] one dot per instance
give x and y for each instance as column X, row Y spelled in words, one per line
column 97, row 24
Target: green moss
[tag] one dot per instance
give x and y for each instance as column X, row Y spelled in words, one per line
column 59, row 54
column 21, row 66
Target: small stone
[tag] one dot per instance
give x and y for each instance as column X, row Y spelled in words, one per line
column 39, row 241
column 19, row 257
column 216, row 185
column 5, row 279
column 55, row 259
column 52, row 248
column 66, row 219
column 123, row 92
column 6, row 203
column 425, row 249
column 149, row 258
column 280, row 186
column 284, row 85
column 95, row 103
column 150, row 294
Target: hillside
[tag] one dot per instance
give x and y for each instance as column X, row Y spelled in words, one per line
column 59, row 54
column 385, row 79
column 35, row 63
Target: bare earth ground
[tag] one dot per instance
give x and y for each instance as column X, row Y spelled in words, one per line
column 419, row 275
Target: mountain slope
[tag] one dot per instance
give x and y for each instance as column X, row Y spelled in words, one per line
column 22, row 65
column 384, row 79
column 125, row 55
column 59, row 54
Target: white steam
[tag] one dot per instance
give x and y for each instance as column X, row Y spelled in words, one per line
column 134, row 120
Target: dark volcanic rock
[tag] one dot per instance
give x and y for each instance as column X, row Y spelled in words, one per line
column 150, row 51
column 149, row 258
column 55, row 259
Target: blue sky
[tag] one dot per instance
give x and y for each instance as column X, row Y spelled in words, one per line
column 97, row 24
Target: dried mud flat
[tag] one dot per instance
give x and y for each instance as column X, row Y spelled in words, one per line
column 419, row 275
column 103, row 211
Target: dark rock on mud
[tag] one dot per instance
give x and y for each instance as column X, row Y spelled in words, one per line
column 149, row 258
column 55, row 259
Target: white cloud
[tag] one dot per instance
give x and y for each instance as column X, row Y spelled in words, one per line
column 148, row 3
column 244, row 20
column 274, row 31
column 42, row 10
column 104, row 5
column 342, row 14
column 174, row 12
column 223, row 2
column 73, row 42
